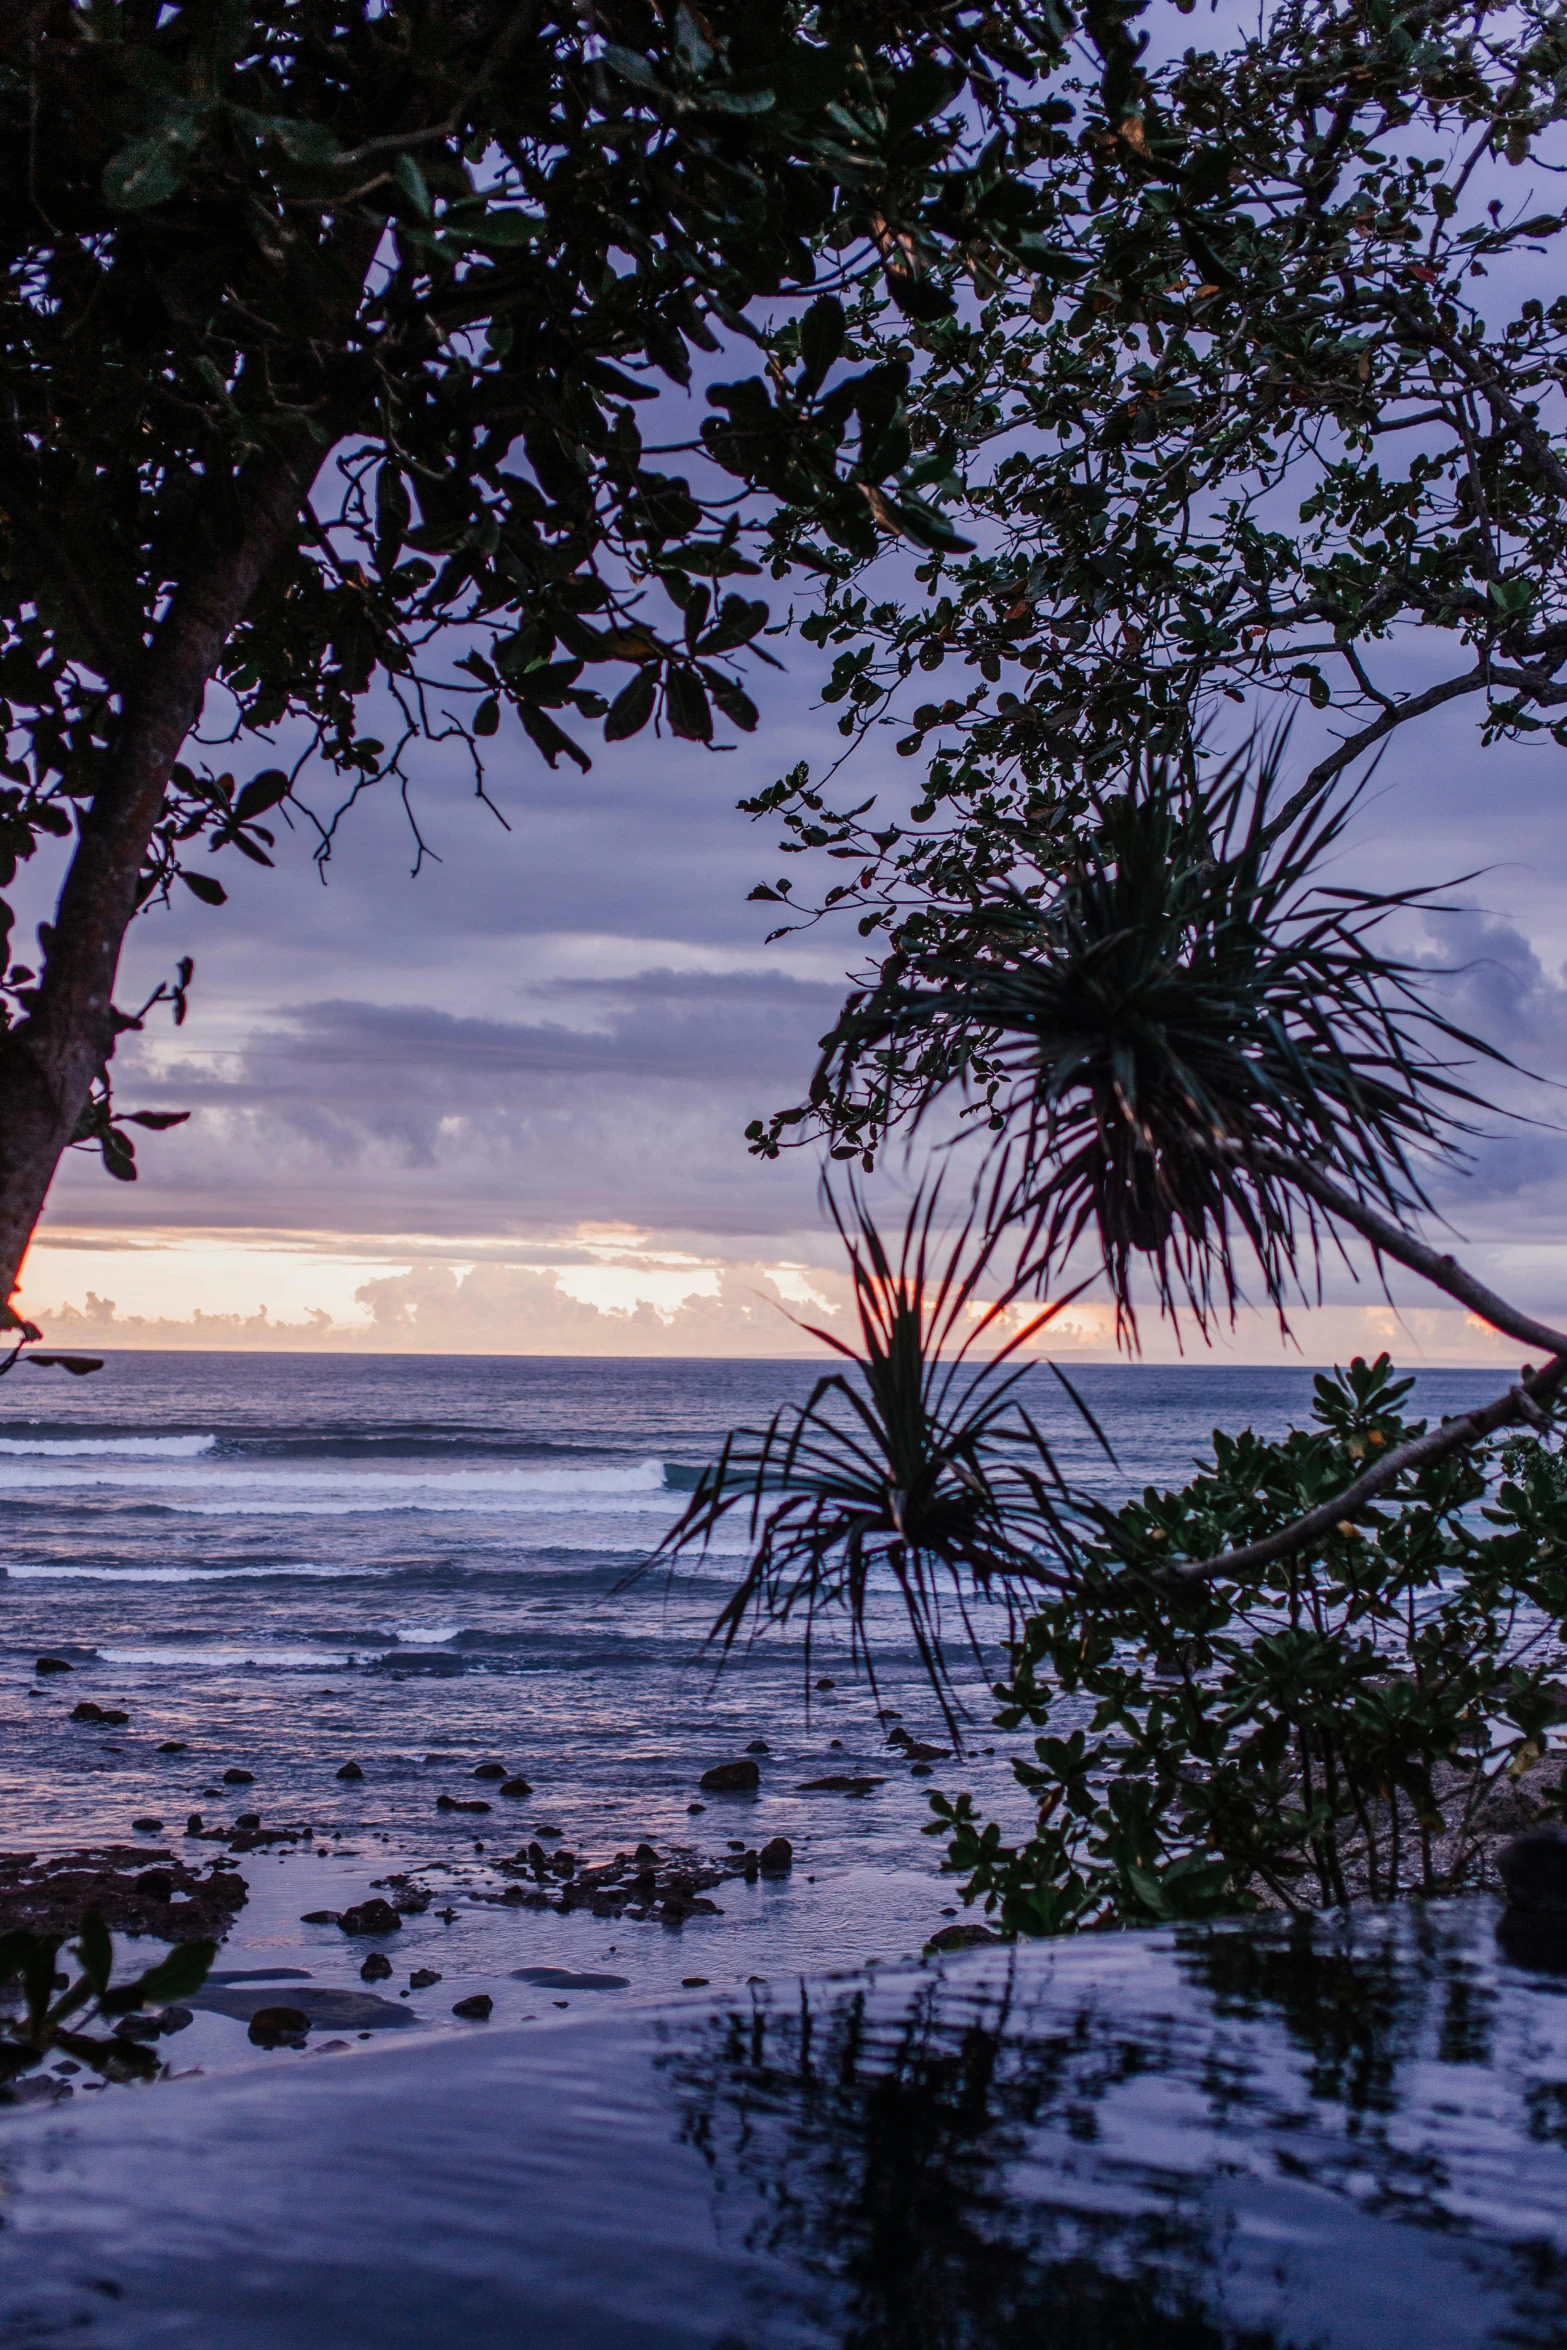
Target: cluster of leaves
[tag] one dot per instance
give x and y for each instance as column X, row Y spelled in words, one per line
column 921, row 1463
column 458, row 246
column 1328, row 1727
column 1144, row 1034
column 1272, row 408
column 53, row 2014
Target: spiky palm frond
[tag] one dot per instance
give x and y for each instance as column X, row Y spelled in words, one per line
column 1186, row 1000
column 924, row 1461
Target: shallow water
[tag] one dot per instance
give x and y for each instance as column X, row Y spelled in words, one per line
column 285, row 1563
column 1347, row 2135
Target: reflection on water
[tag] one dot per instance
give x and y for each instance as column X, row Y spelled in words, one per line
column 1322, row 2134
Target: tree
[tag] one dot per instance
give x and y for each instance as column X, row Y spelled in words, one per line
column 326, row 323
column 1286, row 400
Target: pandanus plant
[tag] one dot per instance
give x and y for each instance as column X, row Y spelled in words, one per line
column 1193, row 1056
column 920, row 1460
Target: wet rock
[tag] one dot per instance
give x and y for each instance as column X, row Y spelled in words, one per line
column 914, row 1752
column 564, row 1863
column 147, row 1825
column 51, row 1894
column 422, row 1977
column 51, row 1664
column 490, row 1770
column 279, row 2027
column 776, row 1857
column 340, row 2011
column 459, row 1803
column 248, row 1820
column 86, row 1711
column 374, row 1916
column 376, row 1969
column 194, row 1825
column 563, row 1978
column 759, row 1746
column 157, row 1884
column 899, row 1737
column 350, row 1770
column 239, row 1778
column 475, row 2010
column 152, row 2027
column 515, row 1787
column 173, row 1746
column 826, row 1683
column 919, row 1770
column 841, row 1783
column 964, row 1937
column 730, row 1778
column 645, row 1856
column 1533, row 1867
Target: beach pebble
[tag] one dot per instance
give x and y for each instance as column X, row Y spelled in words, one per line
column 422, row 1977
column 730, row 1778
column 194, row 1824
column 477, row 2009
column 376, row 1969
column 350, row 1770
column 232, row 1778
column 825, row 1683
column 776, row 1857
column 87, row 1711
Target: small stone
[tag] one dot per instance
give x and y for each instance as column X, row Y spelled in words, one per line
column 645, row 1856
column 730, row 1778
column 155, row 1884
column 693, row 1808
column 693, row 1982
column 515, row 1787
column 370, row 1917
column 239, row 1778
column 825, row 1683
column 195, row 1824
column 112, row 1718
column 919, row 1770
column 350, row 1770
column 376, row 1969
column 51, row 1664
column 147, row 1825
column 759, row 1746
column 776, row 1857
column 839, row 1785
column 173, row 1746
column 247, row 1821
column 965, row 1937
column 490, row 1770
column 422, row 1977
column 87, row 1711
column 275, row 2027
column 1533, row 1867
column 458, row 1803
column 320, row 1917
column 476, row 2010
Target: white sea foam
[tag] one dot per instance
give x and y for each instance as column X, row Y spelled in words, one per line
column 329, row 1659
column 139, row 1448
column 214, row 1574
column 230, row 1490
column 427, row 1635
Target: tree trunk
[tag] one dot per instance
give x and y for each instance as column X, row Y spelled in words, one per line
column 48, row 1062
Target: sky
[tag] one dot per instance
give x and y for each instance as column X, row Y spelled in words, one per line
column 500, row 1107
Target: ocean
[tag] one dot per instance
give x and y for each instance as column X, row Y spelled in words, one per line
column 283, row 1564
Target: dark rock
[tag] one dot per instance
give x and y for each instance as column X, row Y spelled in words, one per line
column 459, row 1803
column 152, row 2027
column 646, row 1855
column 248, row 1820
column 173, row 1746
column 195, row 1824
column 693, row 1808
column 693, row 1982
column 51, row 1664
column 86, row 1711
column 157, row 1884
column 919, row 1770
column 475, row 2010
column 338, row 2011
column 279, row 2027
column 112, row 1718
column 841, row 1784
column 147, row 1825
column 376, row 1969
column 914, row 1752
column 490, row 1770
column 825, row 1683
column 515, row 1787
column 50, row 1894
column 563, row 1978
column 776, row 1857
column 730, row 1778
column 422, row 1977
column 374, row 1916
column 239, row 1778
column 899, row 1737
column 966, row 1937
column 759, row 1746
column 350, row 1770
column 564, row 1863
column 1534, row 1870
